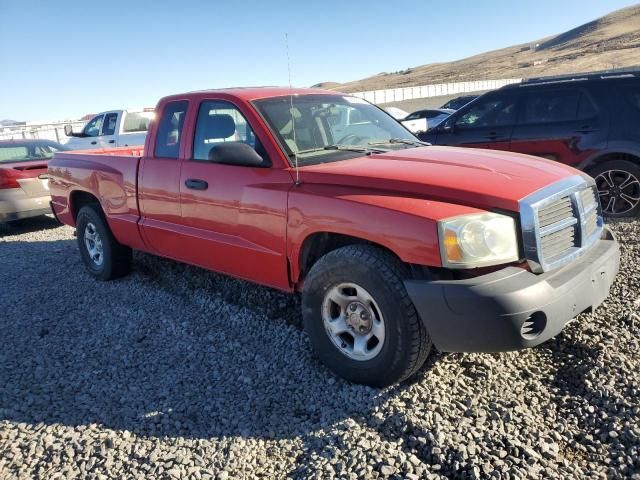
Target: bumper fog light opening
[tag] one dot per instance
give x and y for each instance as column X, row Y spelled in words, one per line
column 533, row 326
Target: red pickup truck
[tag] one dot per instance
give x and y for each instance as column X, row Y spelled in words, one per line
column 396, row 246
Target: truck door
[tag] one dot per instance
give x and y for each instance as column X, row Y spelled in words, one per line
column 485, row 123
column 158, row 189
column 233, row 217
column 107, row 137
column 89, row 136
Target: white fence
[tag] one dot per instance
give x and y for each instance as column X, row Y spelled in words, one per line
column 45, row 131
column 55, row 130
column 436, row 90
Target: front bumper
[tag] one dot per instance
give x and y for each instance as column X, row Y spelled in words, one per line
column 488, row 313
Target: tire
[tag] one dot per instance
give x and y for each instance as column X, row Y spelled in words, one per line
column 609, row 177
column 103, row 256
column 377, row 276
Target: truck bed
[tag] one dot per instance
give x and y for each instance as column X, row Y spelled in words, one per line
column 109, row 175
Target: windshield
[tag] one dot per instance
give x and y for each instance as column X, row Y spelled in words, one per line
column 458, row 103
column 25, row 151
column 325, row 128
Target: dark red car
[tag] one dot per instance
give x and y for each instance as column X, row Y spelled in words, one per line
column 591, row 122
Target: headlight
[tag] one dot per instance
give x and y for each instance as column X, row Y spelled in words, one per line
column 477, row 240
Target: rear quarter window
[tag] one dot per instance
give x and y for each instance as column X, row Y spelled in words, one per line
column 137, row 122
column 170, row 129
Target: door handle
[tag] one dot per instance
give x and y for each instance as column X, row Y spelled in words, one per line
column 492, row 136
column 94, row 142
column 585, row 129
column 112, row 141
column 196, row 184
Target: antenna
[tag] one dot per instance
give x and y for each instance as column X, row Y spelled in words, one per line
column 293, row 120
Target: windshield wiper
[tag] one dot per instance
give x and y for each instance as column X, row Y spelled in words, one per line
column 347, row 148
column 403, row 141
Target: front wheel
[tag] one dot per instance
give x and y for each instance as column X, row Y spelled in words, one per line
column 360, row 320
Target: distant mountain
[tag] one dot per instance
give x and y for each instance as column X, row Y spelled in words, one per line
column 6, row 123
column 326, row 85
column 612, row 41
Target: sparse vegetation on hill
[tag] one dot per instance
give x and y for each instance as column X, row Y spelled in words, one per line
column 612, row 41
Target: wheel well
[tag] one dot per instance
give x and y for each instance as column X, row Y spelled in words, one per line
column 319, row 244
column 613, row 156
column 80, row 199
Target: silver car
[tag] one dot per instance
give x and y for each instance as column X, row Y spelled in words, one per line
column 24, row 187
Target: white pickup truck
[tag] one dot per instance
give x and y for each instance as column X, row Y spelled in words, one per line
column 116, row 128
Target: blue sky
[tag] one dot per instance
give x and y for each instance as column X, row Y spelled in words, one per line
column 63, row 59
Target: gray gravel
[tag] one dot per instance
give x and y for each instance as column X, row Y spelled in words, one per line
column 175, row 372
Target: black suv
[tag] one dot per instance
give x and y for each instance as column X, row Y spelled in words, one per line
column 590, row 121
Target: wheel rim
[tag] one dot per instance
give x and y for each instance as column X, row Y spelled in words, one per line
column 619, row 191
column 353, row 321
column 93, row 244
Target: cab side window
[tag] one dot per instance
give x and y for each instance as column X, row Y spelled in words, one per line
column 170, row 129
column 109, row 127
column 552, row 106
column 218, row 122
column 489, row 112
column 92, row 129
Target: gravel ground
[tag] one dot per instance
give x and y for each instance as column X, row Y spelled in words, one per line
column 174, row 372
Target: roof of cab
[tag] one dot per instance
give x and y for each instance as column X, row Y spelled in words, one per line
column 250, row 93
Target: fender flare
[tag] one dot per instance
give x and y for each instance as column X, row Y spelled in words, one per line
column 623, row 148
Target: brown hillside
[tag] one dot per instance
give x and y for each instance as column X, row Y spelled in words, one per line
column 612, row 41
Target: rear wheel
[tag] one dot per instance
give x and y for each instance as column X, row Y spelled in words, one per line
column 103, row 256
column 618, row 183
column 360, row 320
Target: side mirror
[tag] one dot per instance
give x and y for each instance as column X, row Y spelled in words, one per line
column 237, row 153
column 449, row 127
column 68, row 130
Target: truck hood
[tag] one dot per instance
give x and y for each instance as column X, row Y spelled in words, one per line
column 487, row 179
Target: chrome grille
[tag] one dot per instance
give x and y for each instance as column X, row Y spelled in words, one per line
column 555, row 212
column 560, row 222
column 557, row 227
column 591, row 223
column 590, row 205
column 588, row 198
column 559, row 242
